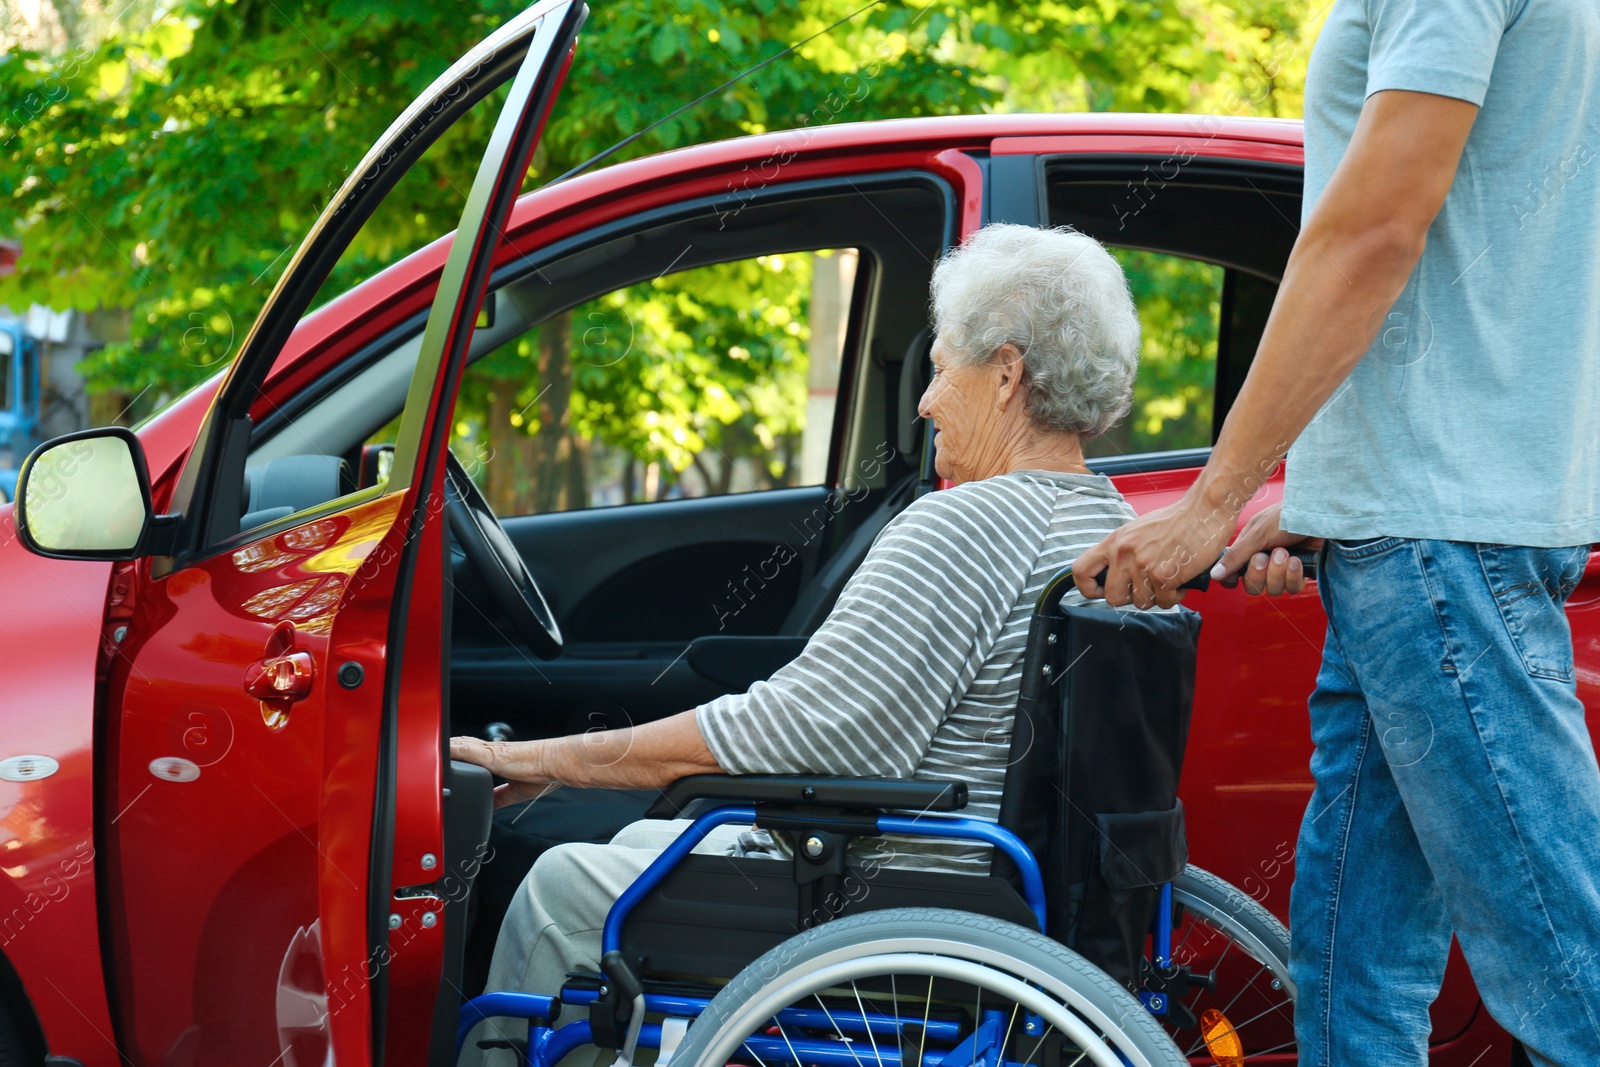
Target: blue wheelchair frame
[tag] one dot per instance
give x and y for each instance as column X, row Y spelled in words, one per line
column 547, row 1044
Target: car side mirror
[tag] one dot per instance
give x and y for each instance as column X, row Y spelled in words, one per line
column 376, row 462
column 87, row 496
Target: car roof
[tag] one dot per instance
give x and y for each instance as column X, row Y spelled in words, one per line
column 954, row 131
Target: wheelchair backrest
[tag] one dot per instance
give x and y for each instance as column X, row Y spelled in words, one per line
column 1092, row 785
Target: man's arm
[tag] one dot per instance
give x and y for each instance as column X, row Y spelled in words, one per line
column 640, row 757
column 1348, row 266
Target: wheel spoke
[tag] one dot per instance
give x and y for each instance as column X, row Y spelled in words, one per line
column 1234, row 1028
column 1247, row 985
column 1276, row 1048
column 1215, row 967
column 785, row 1035
column 839, row 1030
column 922, row 1043
column 1040, row 1044
column 1258, row 1015
column 862, row 1008
column 899, row 1032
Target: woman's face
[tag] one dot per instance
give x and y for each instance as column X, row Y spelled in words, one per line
column 967, row 407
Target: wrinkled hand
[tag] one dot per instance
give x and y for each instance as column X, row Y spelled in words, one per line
column 1146, row 560
column 1259, row 557
column 519, row 762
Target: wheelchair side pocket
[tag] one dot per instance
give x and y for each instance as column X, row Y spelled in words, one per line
column 1135, row 854
column 1146, row 848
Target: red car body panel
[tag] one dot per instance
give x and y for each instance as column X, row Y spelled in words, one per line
column 49, row 930
column 1245, row 784
column 255, row 857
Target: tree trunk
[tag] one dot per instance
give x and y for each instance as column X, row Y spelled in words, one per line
column 555, row 397
column 707, row 478
column 576, row 494
column 510, row 462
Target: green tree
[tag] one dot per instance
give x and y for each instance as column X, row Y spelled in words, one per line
column 170, row 165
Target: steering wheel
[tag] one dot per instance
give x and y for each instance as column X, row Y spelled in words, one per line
column 495, row 558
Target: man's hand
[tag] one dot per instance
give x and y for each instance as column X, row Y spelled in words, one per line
column 520, row 762
column 1259, row 557
column 1146, row 560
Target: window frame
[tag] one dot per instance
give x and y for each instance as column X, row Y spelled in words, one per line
column 861, row 322
column 1018, row 190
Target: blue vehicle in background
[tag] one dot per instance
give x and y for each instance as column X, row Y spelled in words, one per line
column 19, row 401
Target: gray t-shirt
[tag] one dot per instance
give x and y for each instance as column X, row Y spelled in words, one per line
column 1475, row 416
column 915, row 672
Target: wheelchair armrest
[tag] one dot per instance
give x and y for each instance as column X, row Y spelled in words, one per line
column 809, row 791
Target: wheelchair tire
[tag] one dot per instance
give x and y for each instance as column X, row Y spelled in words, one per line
column 1012, row 964
column 1235, row 925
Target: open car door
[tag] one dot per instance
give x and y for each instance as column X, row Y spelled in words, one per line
column 273, row 758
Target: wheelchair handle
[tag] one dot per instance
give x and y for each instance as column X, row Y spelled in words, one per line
column 1057, row 587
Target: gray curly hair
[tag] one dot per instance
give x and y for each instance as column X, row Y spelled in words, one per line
column 1063, row 301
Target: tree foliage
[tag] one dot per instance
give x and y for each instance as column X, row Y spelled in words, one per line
column 698, row 368
column 171, row 166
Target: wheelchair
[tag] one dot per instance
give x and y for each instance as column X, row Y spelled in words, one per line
column 1091, row 940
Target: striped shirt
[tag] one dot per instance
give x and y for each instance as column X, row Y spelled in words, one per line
column 915, row 673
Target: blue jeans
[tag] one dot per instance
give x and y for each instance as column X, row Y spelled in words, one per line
column 1456, row 790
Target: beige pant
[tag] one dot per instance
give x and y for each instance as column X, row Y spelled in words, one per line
column 554, row 923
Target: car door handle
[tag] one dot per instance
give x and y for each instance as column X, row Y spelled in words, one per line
column 286, row 677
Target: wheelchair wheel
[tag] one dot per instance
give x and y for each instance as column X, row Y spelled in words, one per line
column 1222, row 932
column 906, row 986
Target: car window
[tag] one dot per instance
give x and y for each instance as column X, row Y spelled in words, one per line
column 1203, row 244
column 703, row 382
column 1180, row 309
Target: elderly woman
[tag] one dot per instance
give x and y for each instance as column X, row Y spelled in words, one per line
column 915, row 673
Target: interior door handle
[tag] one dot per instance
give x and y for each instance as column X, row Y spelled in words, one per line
column 286, row 677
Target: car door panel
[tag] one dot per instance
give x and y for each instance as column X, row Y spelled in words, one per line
column 194, row 748
column 577, row 554
column 633, row 586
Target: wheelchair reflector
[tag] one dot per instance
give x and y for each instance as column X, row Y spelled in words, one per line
column 1222, row 1040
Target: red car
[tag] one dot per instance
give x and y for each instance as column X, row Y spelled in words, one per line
column 225, row 827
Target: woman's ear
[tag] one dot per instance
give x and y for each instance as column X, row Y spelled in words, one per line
column 1013, row 375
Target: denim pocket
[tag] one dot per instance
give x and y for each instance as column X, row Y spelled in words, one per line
column 1365, row 547
column 1530, row 586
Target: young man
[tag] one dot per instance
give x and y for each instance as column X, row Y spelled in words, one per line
column 1434, row 358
